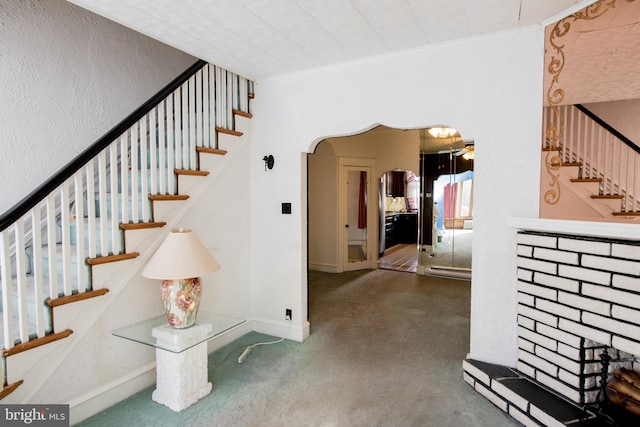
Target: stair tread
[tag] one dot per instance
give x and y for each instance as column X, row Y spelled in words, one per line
column 112, row 258
column 630, row 213
column 191, row 172
column 242, row 113
column 607, row 196
column 586, row 179
column 156, row 197
column 142, row 225
column 211, row 151
column 37, row 342
column 228, row 131
column 79, row 296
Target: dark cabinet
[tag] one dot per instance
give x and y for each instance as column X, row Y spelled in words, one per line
column 400, row 228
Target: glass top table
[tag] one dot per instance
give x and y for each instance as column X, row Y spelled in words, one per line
column 157, row 333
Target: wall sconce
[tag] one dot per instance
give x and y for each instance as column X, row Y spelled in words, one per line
column 268, row 162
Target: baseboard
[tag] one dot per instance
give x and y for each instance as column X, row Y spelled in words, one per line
column 89, row 404
column 284, row 328
column 326, row 268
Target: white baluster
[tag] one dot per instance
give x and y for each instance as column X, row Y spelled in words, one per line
column 135, row 192
column 51, row 246
column 65, row 205
column 162, row 149
column 153, row 152
column 206, row 108
column 191, row 147
column 36, row 270
column 144, row 170
column 199, row 105
column 220, row 98
column 92, row 243
column 103, row 198
column 113, row 175
column 171, row 144
column 185, row 126
column 124, row 179
column 178, row 124
column 78, row 185
column 7, row 290
column 21, row 281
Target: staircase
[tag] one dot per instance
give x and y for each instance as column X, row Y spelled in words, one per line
column 108, row 209
column 589, row 170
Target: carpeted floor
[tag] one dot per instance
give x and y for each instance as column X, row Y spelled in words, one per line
column 386, row 349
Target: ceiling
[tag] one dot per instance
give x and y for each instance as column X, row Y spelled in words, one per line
column 263, row 38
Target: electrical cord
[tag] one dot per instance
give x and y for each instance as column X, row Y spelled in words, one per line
column 247, row 350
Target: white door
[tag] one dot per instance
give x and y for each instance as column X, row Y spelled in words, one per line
column 358, row 214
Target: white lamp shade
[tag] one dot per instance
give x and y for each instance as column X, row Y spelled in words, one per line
column 180, row 256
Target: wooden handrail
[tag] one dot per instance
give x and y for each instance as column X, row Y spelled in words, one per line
column 23, row 206
column 609, row 128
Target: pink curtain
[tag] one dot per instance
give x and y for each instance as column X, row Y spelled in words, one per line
column 450, row 196
column 362, row 201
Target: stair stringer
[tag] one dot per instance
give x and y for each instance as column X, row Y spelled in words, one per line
column 575, row 200
column 37, row 366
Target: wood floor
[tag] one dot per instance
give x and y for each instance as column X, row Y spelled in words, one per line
column 403, row 257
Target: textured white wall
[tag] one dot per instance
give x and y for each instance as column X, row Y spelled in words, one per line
column 68, row 76
column 489, row 88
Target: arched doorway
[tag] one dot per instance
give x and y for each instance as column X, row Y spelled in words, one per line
column 388, row 150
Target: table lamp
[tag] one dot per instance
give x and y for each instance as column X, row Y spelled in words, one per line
column 179, row 262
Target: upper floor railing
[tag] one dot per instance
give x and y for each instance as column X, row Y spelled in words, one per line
column 603, row 152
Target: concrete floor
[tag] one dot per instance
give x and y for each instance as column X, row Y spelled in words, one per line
column 386, row 349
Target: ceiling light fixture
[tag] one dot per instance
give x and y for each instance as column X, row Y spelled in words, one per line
column 442, row 132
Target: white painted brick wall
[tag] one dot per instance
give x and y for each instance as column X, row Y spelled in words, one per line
column 626, row 282
column 533, row 264
column 534, row 314
column 563, row 257
column 491, row 397
column 627, row 345
column 539, row 291
column 585, row 274
column 583, row 303
column 560, row 310
column 625, row 251
column 526, row 322
column 568, row 351
column 526, row 251
column 538, row 363
column 624, row 313
column 611, row 264
column 525, row 275
column 613, row 295
column 535, row 240
column 560, row 335
column 585, row 246
column 537, row 338
column 557, row 282
column 558, row 360
column 585, row 331
column 569, row 378
column 572, row 295
column 526, row 299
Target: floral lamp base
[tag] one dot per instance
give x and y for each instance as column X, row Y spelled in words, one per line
column 181, row 299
